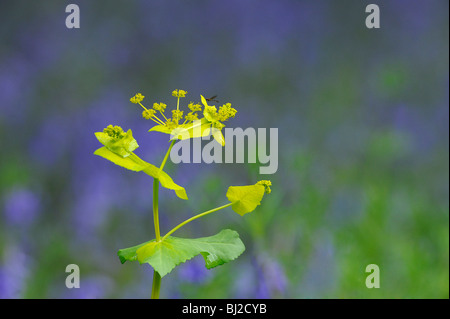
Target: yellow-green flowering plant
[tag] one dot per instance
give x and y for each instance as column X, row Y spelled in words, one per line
column 164, row 253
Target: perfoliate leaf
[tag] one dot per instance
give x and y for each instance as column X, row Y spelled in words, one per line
column 134, row 163
column 130, row 253
column 197, row 128
column 245, row 198
column 165, row 255
column 165, row 180
column 127, row 162
column 121, row 145
column 203, row 100
column 218, row 136
column 160, row 128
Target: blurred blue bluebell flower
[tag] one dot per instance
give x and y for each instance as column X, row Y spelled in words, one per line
column 21, row 206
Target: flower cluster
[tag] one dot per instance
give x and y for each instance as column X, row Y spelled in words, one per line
column 177, row 115
column 212, row 117
column 266, row 184
column 159, row 107
column 179, row 93
column 115, row 132
column 217, row 117
column 151, row 114
column 117, row 141
column 148, row 113
column 192, row 115
column 226, row 111
column 137, row 98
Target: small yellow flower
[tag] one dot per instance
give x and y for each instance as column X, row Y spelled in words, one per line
column 159, row 107
column 179, row 93
column 191, row 116
column 193, row 126
column 177, row 115
column 194, row 107
column 148, row 114
column 137, row 98
column 114, row 131
column 171, row 124
column 266, row 184
column 225, row 112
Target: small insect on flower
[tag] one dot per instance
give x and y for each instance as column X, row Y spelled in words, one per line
column 212, row 99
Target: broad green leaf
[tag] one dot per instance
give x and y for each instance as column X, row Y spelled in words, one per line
column 129, row 162
column 164, row 256
column 130, row 253
column 160, row 128
column 218, row 136
column 197, row 128
column 134, row 163
column 165, row 180
column 245, row 198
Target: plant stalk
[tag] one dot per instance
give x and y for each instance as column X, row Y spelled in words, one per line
column 155, row 208
column 156, row 285
column 195, row 217
column 156, row 277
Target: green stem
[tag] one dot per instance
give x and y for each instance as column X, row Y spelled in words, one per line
column 156, row 277
column 178, row 108
column 155, row 208
column 155, row 196
column 156, row 285
column 195, row 217
column 167, row 156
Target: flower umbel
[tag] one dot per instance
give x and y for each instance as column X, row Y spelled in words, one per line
column 159, row 107
column 114, row 131
column 177, row 115
column 137, row 98
column 194, row 107
column 148, row 114
column 117, row 141
column 217, row 117
column 192, row 126
column 225, row 112
column 179, row 93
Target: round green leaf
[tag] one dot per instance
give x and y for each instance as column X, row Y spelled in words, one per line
column 165, row 255
column 245, row 198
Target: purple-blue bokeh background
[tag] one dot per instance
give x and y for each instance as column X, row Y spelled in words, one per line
column 363, row 145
